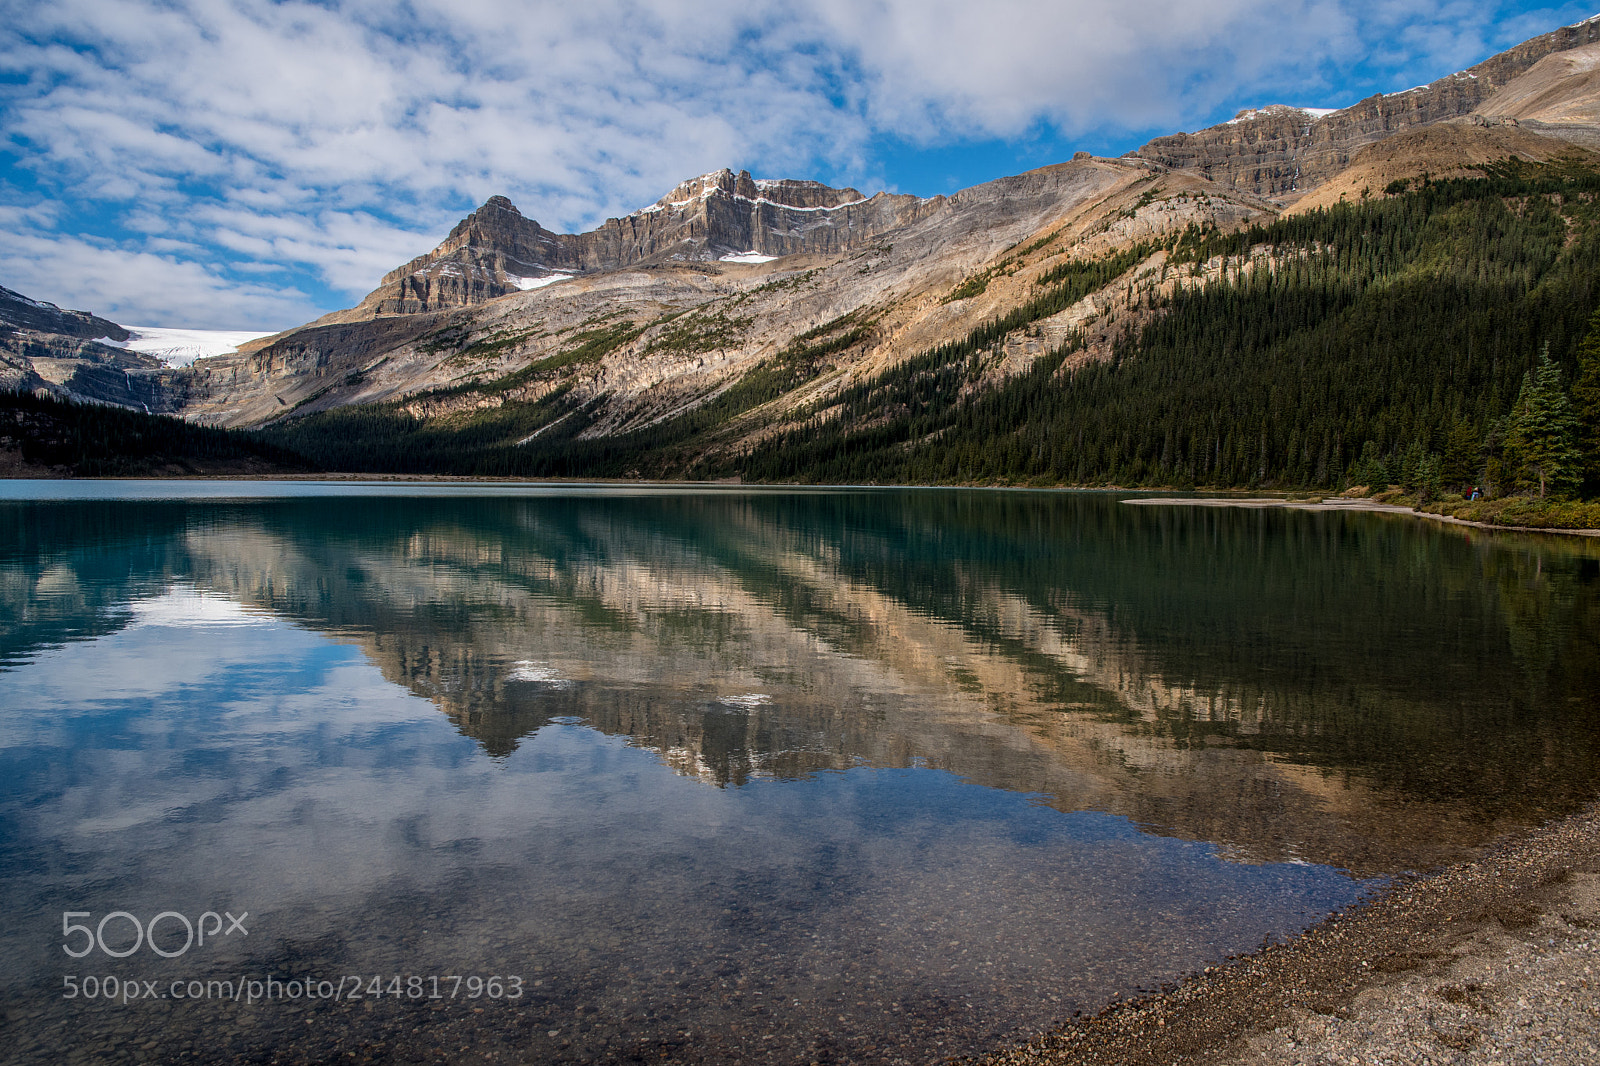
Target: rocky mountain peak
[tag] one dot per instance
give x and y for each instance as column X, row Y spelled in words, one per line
column 725, row 184
column 493, row 251
column 497, row 250
column 723, row 181
column 496, row 226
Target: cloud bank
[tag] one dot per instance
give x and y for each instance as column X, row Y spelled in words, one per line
column 249, row 163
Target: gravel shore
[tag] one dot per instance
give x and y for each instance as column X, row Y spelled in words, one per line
column 1489, row 962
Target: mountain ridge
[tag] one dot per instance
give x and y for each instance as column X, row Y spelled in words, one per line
column 1279, row 155
column 734, row 311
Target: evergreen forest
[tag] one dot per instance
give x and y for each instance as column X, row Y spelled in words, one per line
column 100, row 440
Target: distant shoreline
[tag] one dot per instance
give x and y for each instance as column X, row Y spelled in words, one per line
column 1252, row 502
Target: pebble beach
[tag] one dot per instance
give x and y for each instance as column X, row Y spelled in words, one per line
column 1490, row 962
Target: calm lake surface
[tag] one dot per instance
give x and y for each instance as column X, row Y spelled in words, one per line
column 727, row 775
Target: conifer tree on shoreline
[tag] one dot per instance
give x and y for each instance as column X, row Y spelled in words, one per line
column 1541, row 439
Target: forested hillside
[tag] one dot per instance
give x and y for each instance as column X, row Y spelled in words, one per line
column 42, row 436
column 1408, row 322
column 1386, row 339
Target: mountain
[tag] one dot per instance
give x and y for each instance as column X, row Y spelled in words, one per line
column 673, row 329
column 1290, row 298
column 79, row 356
column 495, row 251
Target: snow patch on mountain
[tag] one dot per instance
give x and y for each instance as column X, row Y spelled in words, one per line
column 526, row 284
column 180, row 347
column 1278, row 109
column 747, row 257
column 709, row 190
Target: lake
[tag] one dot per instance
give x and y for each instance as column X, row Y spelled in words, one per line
column 503, row 773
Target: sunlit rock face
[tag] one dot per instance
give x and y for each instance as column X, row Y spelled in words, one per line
column 482, row 258
column 1284, row 151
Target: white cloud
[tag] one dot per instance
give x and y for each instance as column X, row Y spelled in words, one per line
column 341, row 138
column 129, row 285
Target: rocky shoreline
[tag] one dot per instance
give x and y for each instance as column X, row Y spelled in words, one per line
column 1491, row 961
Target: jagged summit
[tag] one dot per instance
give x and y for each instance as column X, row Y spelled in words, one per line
column 801, row 195
column 497, row 250
column 491, row 252
column 497, row 217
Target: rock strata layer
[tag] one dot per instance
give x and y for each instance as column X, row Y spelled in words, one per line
column 1283, row 151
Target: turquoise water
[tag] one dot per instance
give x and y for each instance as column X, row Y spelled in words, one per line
column 720, row 775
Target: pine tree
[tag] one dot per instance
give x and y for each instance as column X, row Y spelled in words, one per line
column 1461, row 463
column 1369, row 470
column 1542, row 439
column 1586, row 406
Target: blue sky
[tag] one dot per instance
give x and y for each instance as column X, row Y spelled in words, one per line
column 234, row 164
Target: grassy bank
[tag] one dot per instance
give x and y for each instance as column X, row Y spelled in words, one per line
column 1521, row 511
column 1527, row 512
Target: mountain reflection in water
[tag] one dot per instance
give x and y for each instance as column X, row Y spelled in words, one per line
column 899, row 723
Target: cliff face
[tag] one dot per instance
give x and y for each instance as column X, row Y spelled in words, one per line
column 722, row 213
column 1281, row 151
column 496, row 251
column 482, row 258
